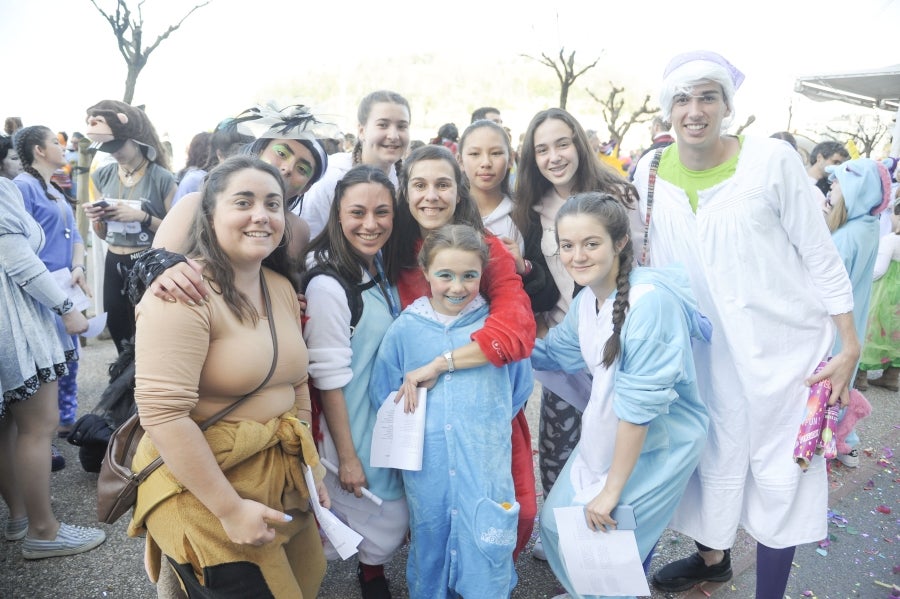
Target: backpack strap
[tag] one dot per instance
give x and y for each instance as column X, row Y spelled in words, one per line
column 353, row 291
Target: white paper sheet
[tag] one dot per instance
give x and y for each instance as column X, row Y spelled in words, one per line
column 344, row 539
column 599, row 563
column 399, row 438
column 95, row 325
column 113, row 226
column 63, row 278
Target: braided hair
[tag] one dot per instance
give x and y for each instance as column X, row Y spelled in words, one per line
column 609, row 212
column 25, row 140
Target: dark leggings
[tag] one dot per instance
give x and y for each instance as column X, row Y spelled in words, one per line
column 773, row 566
column 119, row 310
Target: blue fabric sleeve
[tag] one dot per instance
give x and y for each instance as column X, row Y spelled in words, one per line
column 560, row 349
column 388, row 371
column 655, row 348
column 520, row 374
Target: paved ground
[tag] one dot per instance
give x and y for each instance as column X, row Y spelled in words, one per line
column 860, row 561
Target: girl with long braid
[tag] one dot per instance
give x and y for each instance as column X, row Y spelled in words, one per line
column 383, row 137
column 556, row 162
column 41, row 154
column 644, row 425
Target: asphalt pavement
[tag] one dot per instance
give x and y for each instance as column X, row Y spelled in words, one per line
column 860, row 559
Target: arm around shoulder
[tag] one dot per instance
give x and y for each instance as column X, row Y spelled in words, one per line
column 509, row 331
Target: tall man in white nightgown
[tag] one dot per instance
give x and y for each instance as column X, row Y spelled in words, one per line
column 740, row 215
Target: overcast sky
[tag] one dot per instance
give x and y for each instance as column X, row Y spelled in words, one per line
column 60, row 56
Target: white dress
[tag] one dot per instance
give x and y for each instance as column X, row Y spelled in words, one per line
column 767, row 274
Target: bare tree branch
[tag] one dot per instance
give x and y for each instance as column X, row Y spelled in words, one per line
column 867, row 136
column 612, row 107
column 750, row 120
column 173, row 28
column 129, row 34
column 565, row 71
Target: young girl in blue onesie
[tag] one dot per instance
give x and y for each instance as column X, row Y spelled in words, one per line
column 644, row 426
column 463, row 513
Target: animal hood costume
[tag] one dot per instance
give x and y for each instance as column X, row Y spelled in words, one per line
column 111, row 123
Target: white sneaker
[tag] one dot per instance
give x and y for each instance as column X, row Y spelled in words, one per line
column 850, row 460
column 70, row 540
column 563, row 596
column 537, row 552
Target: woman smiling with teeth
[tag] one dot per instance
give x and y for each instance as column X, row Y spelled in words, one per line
column 433, row 195
column 342, row 354
column 557, row 162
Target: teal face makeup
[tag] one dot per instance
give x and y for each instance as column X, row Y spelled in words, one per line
column 455, row 278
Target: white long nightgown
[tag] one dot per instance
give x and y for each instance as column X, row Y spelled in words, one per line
column 767, row 274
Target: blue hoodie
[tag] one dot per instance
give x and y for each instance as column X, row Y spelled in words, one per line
column 863, row 188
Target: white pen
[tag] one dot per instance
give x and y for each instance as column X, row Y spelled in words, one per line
column 365, row 492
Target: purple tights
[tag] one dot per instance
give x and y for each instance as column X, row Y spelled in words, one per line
column 773, row 566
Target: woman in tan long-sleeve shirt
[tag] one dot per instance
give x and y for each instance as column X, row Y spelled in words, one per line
column 229, row 506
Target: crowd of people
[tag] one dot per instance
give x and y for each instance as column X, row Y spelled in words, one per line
column 674, row 317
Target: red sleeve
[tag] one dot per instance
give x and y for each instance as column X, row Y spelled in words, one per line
column 509, row 331
column 411, row 285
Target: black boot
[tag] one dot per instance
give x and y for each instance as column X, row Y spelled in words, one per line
column 377, row 588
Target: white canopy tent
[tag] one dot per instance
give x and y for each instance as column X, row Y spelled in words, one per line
column 872, row 88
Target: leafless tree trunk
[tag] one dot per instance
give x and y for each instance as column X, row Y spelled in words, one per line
column 129, row 36
column 565, row 72
column 612, row 107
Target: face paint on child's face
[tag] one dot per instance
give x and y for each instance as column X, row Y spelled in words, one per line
column 455, row 277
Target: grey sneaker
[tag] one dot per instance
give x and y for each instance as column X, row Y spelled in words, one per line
column 16, row 528
column 850, row 460
column 70, row 540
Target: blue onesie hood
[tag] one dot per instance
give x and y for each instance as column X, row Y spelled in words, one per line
column 865, row 185
column 674, row 279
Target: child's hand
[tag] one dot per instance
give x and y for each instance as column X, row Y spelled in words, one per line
column 409, row 394
column 424, row 376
